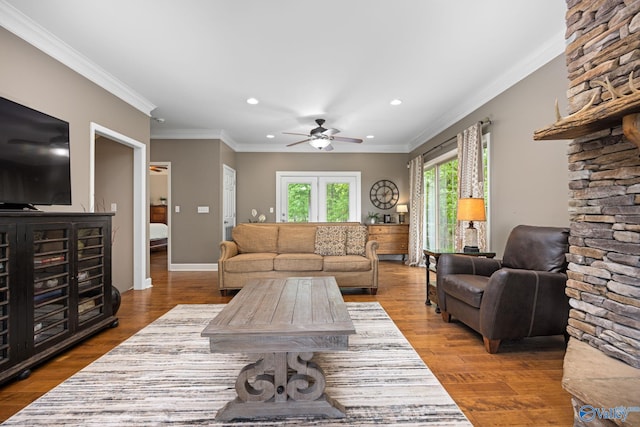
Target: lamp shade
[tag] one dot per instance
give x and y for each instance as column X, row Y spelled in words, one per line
column 471, row 209
column 402, row 209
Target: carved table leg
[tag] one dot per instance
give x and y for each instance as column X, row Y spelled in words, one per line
column 281, row 384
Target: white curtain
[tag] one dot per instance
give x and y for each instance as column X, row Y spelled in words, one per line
column 416, row 212
column 471, row 180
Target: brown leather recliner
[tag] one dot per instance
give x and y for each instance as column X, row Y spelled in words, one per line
column 522, row 295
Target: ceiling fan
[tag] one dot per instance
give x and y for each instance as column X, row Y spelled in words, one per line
column 321, row 137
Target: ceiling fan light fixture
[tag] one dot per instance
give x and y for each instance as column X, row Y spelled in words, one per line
column 319, row 143
column 252, row 101
column 395, row 102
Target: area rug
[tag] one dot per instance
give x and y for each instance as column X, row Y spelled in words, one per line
column 166, row 375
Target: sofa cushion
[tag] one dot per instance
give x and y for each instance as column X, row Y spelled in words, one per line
column 250, row 262
column 298, row 262
column 296, row 239
column 330, row 240
column 468, row 288
column 252, row 238
column 346, row 263
column 356, row 240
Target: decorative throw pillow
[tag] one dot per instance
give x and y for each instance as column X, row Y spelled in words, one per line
column 331, row 240
column 356, row 240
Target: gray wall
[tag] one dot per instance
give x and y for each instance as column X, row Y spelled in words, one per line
column 529, row 182
column 32, row 78
column 256, row 176
column 195, row 181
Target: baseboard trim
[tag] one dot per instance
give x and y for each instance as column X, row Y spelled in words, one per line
column 193, row 267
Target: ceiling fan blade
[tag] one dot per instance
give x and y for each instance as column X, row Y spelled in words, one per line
column 331, row 131
column 345, row 139
column 291, row 133
column 328, row 148
column 299, row 142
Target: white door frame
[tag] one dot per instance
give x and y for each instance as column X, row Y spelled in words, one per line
column 140, row 247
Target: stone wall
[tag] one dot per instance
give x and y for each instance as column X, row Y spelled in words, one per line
column 603, row 41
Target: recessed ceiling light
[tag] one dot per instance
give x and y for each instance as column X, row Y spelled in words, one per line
column 370, row 136
column 252, row 101
column 271, row 136
column 395, row 102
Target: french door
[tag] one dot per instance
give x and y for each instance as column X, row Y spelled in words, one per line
column 318, row 196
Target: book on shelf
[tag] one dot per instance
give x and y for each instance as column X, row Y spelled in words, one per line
column 48, row 260
column 86, row 305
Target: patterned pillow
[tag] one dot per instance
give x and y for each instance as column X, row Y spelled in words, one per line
column 356, row 240
column 331, row 240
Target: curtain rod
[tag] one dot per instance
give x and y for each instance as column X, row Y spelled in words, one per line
column 483, row 122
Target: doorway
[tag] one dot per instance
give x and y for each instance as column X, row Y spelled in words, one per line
column 228, row 201
column 160, row 197
column 139, row 227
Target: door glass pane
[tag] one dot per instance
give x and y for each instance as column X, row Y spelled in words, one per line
column 298, row 202
column 337, row 202
column 447, row 204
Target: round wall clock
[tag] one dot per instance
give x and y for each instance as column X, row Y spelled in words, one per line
column 384, row 194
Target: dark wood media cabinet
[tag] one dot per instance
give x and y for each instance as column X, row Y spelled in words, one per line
column 55, row 285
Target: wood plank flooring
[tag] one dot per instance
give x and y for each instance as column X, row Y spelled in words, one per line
column 518, row 386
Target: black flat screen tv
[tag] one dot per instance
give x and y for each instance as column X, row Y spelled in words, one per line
column 35, row 167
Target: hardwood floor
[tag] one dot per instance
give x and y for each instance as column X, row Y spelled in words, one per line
column 518, row 386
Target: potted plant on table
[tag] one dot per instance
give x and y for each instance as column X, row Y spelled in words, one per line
column 373, row 217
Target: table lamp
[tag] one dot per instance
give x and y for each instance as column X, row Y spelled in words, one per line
column 471, row 209
column 401, row 210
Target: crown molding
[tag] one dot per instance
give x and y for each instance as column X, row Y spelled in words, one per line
column 22, row 26
column 187, row 134
column 547, row 52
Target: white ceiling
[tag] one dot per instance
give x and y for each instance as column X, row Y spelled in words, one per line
column 194, row 63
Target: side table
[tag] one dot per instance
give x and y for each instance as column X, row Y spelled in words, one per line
column 436, row 253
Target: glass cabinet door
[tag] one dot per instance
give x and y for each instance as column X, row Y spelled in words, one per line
column 50, row 282
column 90, row 253
column 5, row 295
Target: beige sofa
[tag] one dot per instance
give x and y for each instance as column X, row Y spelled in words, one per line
column 279, row 250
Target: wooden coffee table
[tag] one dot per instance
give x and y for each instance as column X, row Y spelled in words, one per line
column 282, row 322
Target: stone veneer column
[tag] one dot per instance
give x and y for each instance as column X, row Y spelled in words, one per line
column 604, row 183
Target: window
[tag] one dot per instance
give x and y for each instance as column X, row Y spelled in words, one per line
column 441, row 198
column 318, row 196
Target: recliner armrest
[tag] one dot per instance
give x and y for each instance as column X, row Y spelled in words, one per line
column 466, row 264
column 521, row 303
